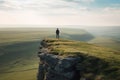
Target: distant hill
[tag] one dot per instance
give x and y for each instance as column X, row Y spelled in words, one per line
column 107, row 42
column 105, row 36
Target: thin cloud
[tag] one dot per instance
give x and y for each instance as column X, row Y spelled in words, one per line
column 80, row 1
column 88, row 1
column 40, row 4
column 111, row 9
column 66, row 12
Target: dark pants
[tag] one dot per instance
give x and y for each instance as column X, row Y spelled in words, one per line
column 57, row 36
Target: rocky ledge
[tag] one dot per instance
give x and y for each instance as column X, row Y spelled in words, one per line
column 63, row 60
column 53, row 67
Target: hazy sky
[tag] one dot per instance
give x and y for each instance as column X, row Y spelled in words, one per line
column 60, row 12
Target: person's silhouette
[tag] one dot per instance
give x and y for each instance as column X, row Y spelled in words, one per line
column 57, row 33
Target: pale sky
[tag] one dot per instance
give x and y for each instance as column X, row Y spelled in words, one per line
column 60, row 12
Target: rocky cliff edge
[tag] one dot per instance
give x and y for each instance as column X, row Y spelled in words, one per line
column 74, row 60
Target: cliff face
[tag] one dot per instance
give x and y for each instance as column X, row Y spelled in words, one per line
column 61, row 60
column 52, row 67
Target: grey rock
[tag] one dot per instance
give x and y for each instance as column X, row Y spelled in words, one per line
column 54, row 68
column 41, row 72
column 66, row 64
column 43, row 43
column 50, row 59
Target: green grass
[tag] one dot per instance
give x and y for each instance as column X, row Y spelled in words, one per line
column 22, row 36
column 97, row 60
column 22, row 75
column 19, row 60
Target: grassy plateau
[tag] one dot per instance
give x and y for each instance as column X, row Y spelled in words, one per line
column 97, row 62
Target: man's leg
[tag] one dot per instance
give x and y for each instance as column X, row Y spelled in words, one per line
column 56, row 35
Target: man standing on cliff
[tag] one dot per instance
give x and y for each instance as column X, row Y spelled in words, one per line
column 57, row 33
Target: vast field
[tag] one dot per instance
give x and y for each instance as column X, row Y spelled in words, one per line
column 19, row 47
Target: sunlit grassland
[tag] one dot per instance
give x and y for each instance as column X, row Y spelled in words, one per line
column 18, row 36
column 19, row 60
column 90, row 49
column 22, row 75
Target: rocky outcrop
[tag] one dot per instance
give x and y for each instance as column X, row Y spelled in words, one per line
column 70, row 60
column 52, row 67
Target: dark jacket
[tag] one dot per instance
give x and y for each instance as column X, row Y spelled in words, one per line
column 57, row 31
